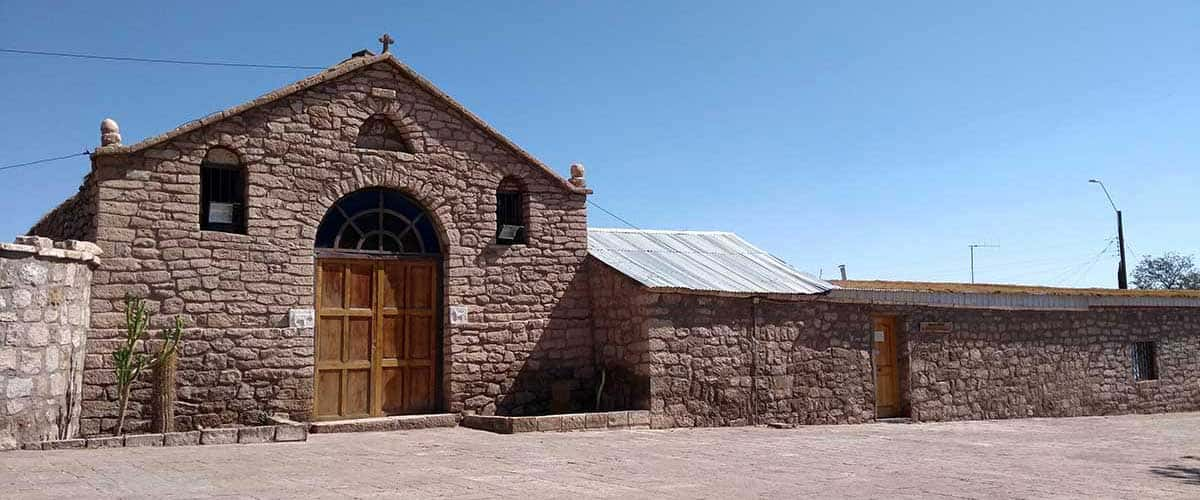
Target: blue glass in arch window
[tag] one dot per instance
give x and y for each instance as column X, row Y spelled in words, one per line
column 380, row 221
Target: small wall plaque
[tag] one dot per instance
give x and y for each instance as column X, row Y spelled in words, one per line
column 458, row 315
column 880, row 336
column 301, row 318
column 936, row 327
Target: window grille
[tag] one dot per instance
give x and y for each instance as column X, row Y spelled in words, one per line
column 377, row 220
column 510, row 218
column 1145, row 366
column 222, row 194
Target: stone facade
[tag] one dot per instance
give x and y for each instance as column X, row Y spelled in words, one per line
column 528, row 331
column 699, row 350
column 44, row 294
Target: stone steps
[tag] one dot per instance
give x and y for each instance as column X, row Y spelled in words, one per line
column 376, row 424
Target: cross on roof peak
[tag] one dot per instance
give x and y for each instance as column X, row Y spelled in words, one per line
column 386, row 40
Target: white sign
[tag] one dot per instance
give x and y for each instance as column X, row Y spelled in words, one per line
column 458, row 315
column 880, row 336
column 301, row 318
column 220, row 213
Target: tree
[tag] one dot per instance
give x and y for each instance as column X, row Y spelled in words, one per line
column 1170, row 272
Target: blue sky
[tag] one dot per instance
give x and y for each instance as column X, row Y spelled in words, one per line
column 886, row 136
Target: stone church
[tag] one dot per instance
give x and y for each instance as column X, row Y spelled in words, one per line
column 357, row 244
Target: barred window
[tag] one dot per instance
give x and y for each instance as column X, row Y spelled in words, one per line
column 512, row 225
column 1145, row 364
column 222, row 192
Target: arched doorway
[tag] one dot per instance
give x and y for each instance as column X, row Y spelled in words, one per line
column 378, row 289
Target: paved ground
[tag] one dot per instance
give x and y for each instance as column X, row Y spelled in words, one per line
column 1127, row 456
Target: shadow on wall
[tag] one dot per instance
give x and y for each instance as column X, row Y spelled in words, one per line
column 558, row 375
column 1184, row 473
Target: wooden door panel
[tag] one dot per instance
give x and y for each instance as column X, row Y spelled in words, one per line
column 377, row 333
column 329, row 387
column 356, row 400
column 392, row 333
column 393, row 390
column 420, row 337
column 358, row 340
column 420, row 386
column 420, row 286
column 329, row 340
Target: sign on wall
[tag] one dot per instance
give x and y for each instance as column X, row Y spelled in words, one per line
column 458, row 315
column 936, row 327
column 301, row 318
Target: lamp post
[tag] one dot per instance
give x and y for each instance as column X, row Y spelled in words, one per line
column 1122, row 283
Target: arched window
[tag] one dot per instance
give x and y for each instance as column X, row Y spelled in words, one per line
column 377, row 220
column 222, row 192
column 378, row 132
column 512, row 220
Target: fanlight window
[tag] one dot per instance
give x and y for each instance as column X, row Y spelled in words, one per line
column 378, row 132
column 377, row 221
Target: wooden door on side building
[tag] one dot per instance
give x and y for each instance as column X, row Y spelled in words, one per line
column 887, row 375
column 376, row 337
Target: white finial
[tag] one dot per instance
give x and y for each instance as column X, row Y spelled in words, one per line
column 110, row 133
column 577, row 175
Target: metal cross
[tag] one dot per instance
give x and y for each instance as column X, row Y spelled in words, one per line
column 386, row 40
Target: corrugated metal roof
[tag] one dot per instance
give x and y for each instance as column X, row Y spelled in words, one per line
column 698, row 260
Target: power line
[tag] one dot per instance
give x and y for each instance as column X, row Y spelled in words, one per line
column 149, row 60
column 615, row 216
column 45, row 160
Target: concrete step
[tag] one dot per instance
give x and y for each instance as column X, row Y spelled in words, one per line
column 396, row 423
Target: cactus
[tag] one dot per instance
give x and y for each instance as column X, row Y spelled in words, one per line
column 131, row 359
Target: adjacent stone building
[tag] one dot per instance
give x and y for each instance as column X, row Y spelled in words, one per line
column 358, row 244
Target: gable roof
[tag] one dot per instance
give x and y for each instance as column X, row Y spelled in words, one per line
column 354, row 63
column 707, row 261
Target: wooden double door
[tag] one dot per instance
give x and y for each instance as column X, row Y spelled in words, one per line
column 377, row 337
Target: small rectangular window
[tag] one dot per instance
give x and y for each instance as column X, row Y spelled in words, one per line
column 510, row 220
column 1145, row 366
column 222, row 195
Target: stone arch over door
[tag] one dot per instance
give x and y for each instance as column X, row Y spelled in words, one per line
column 379, row 285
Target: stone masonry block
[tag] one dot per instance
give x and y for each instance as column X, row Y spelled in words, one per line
column 106, row 442
column 618, row 420
column 597, row 420
column 260, row 434
column 574, row 422
column 639, row 419
column 549, row 423
column 65, row 444
column 141, row 440
column 524, row 424
column 291, row 432
column 219, row 436
column 189, row 438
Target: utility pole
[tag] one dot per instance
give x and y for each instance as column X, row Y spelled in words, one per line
column 1122, row 282
column 973, row 246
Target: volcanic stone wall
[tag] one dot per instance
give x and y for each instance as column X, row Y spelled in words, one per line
column 44, row 294
column 717, row 360
column 73, row 219
column 528, row 329
column 1007, row 364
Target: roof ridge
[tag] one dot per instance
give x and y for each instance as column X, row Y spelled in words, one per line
column 335, row 71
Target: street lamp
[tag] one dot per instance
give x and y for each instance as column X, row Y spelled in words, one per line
column 1122, row 283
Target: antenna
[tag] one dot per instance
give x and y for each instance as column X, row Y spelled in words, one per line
column 973, row 246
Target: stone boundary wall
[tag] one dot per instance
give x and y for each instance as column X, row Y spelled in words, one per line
column 45, row 289
column 1012, row 364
